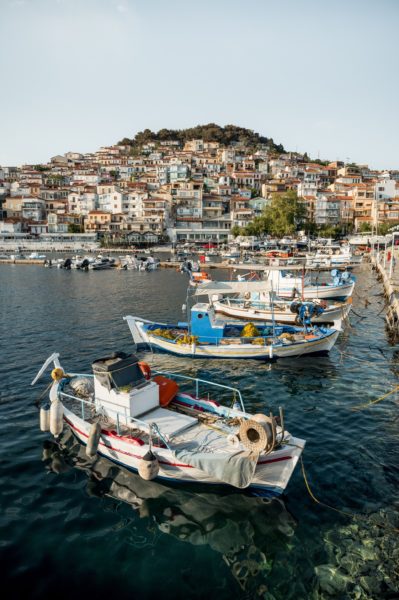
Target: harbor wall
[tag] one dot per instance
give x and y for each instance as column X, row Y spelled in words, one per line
column 391, row 289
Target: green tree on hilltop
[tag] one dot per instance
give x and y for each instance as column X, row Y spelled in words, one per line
column 209, row 133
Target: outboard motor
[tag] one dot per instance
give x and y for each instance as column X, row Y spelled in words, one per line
column 306, row 311
column 67, row 263
column 295, row 306
column 85, row 264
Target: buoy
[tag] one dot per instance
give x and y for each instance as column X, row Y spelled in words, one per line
column 145, row 369
column 45, row 417
column 183, row 307
column 56, row 418
column 148, row 466
column 57, row 374
column 93, row 440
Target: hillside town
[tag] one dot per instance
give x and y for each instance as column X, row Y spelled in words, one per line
column 187, row 191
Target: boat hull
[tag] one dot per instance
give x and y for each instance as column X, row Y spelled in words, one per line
column 232, row 349
column 271, row 476
column 320, row 291
column 338, row 313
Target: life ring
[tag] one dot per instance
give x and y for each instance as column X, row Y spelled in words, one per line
column 145, row 369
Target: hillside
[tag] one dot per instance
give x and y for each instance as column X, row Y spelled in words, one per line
column 209, row 133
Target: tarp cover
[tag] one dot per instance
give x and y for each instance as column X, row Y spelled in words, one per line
column 236, row 469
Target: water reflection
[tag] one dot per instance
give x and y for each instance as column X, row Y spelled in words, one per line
column 246, row 531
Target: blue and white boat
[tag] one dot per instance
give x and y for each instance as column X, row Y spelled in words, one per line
column 209, row 336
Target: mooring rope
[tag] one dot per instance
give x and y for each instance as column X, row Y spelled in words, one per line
column 379, row 399
column 352, row 515
column 311, row 494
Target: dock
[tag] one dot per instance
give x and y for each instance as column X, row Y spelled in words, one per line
column 385, row 264
column 173, row 264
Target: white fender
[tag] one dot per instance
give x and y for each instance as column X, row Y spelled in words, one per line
column 56, row 417
column 94, row 439
column 149, row 466
column 45, row 418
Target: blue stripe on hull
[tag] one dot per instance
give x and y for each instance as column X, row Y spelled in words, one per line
column 152, row 347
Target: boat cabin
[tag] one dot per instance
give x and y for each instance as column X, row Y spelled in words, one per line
column 120, row 386
column 122, row 392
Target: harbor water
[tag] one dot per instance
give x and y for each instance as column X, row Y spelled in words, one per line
column 71, row 527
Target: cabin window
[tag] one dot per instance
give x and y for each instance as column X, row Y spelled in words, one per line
column 200, row 316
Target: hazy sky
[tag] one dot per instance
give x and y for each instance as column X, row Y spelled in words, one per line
column 314, row 75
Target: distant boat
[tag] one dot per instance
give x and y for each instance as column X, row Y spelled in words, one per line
column 101, row 264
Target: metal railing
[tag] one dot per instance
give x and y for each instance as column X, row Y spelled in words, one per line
column 198, row 381
column 151, row 428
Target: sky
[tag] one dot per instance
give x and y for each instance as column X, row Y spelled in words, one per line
column 315, row 75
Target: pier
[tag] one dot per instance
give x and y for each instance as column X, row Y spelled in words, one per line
column 384, row 263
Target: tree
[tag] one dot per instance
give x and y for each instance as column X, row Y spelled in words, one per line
column 209, row 133
column 75, row 228
column 364, row 227
column 236, row 230
column 283, row 215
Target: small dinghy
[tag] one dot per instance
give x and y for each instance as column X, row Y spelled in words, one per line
column 143, row 421
column 208, row 336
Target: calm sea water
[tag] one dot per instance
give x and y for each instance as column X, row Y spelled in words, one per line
column 71, row 527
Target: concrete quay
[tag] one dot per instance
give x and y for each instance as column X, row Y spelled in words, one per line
column 386, row 265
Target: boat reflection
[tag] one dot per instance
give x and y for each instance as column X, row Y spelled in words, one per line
column 247, row 531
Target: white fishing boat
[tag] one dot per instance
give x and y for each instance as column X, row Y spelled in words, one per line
column 82, row 262
column 148, row 264
column 232, row 252
column 334, row 256
column 207, row 336
column 143, row 421
column 288, row 285
column 101, row 263
column 199, row 278
column 261, row 306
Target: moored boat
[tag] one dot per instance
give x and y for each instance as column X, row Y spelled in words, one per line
column 143, row 421
column 257, row 307
column 102, row 263
column 288, row 285
column 208, row 336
